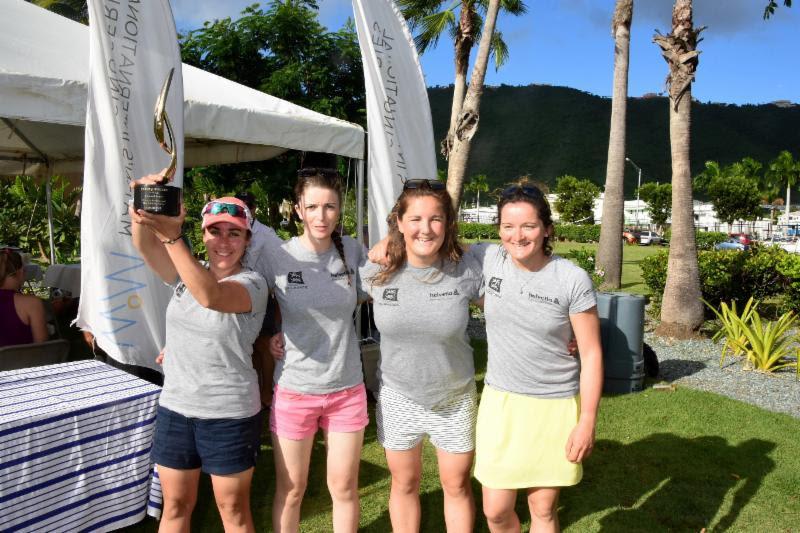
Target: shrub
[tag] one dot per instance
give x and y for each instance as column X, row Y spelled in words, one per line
column 731, row 327
column 789, row 267
column 705, row 240
column 733, row 276
column 587, row 261
column 475, row 231
column 578, row 232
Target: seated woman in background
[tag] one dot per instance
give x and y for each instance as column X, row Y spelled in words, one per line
column 22, row 316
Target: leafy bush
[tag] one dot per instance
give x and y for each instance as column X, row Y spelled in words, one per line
column 586, row 260
column 705, row 240
column 578, row 233
column 23, row 217
column 789, row 267
column 733, row 276
column 475, row 231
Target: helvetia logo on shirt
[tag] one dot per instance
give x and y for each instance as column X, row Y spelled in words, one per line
column 495, row 284
column 390, row 295
column 443, row 294
column 543, row 299
column 295, row 278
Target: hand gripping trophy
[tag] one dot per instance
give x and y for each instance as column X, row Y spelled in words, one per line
column 160, row 198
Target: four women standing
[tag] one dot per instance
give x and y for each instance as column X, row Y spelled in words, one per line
column 538, row 410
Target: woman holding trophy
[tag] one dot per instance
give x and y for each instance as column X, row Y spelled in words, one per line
column 209, row 414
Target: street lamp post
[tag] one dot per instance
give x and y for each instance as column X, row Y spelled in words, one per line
column 638, row 186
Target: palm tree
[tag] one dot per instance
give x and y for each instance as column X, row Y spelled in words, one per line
column 477, row 185
column 682, row 308
column 784, row 169
column 609, row 254
column 432, row 19
column 467, row 122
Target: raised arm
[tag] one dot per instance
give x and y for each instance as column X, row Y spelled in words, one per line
column 586, row 326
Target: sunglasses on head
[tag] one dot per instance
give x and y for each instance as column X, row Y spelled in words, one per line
column 434, row 185
column 316, row 171
column 524, row 190
column 215, row 208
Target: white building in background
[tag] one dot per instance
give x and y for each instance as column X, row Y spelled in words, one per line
column 637, row 215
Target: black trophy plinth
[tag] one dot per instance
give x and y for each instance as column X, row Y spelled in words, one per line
column 157, row 199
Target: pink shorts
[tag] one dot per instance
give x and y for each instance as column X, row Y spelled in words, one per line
column 297, row 416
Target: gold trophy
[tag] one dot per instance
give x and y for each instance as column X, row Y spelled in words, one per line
column 160, row 198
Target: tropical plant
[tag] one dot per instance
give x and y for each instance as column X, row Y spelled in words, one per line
column 731, row 329
column 431, row 18
column 767, row 345
column 681, row 310
column 609, row 255
column 733, row 190
column 477, row 185
column 784, row 170
column 467, row 122
column 772, row 5
column 575, row 200
column 24, row 218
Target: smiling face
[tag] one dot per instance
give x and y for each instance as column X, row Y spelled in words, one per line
column 226, row 245
column 319, row 210
column 423, row 227
column 524, row 234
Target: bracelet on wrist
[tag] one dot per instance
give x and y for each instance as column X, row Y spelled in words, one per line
column 172, row 241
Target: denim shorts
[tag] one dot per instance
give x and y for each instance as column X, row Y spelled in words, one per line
column 218, row 446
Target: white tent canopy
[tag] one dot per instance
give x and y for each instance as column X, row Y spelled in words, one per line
column 43, row 86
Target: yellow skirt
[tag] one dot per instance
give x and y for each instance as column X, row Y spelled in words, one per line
column 521, row 441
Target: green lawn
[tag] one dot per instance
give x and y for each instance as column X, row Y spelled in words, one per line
column 663, row 461
column 631, row 255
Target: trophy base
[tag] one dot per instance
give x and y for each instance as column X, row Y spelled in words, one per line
column 157, row 199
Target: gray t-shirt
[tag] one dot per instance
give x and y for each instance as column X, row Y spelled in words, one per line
column 208, row 363
column 317, row 304
column 264, row 240
column 527, row 323
column 422, row 315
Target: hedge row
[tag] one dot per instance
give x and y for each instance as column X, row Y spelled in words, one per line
column 705, row 240
column 732, row 275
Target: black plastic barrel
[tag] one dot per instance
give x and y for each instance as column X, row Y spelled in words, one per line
column 622, row 334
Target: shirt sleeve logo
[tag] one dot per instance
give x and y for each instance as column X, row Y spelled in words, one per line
column 295, row 278
column 495, row 284
column 390, row 295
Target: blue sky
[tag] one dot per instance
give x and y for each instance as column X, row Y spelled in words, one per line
column 568, row 42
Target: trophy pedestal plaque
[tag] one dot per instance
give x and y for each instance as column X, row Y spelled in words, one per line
column 157, row 199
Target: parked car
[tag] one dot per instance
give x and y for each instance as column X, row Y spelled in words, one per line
column 731, row 244
column 744, row 238
column 650, row 237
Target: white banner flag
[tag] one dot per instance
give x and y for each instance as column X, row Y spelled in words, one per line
column 400, row 130
column 132, row 47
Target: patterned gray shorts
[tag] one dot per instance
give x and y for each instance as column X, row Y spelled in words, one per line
column 402, row 423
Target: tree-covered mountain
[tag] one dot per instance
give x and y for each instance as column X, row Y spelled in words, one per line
column 545, row 132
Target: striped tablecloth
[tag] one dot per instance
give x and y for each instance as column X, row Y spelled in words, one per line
column 74, row 447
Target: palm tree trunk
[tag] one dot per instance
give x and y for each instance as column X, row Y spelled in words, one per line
column 609, row 254
column 681, row 307
column 463, row 47
column 467, row 123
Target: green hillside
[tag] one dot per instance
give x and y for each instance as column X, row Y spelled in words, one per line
column 545, row 132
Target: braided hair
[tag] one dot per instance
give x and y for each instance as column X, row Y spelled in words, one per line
column 325, row 178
